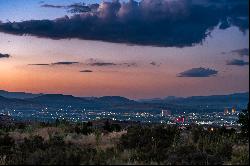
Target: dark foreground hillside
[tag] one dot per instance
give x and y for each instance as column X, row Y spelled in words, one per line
column 108, row 142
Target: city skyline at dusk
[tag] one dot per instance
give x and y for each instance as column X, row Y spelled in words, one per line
column 40, row 57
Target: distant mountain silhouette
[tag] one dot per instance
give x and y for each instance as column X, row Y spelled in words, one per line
column 114, row 100
column 4, row 100
column 159, row 100
column 236, row 97
column 18, row 95
column 232, row 98
column 59, row 100
column 17, row 103
column 117, row 103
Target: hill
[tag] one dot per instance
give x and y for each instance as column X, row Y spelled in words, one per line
column 212, row 103
column 18, row 95
column 6, row 103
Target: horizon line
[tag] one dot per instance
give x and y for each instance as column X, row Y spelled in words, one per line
column 122, row 96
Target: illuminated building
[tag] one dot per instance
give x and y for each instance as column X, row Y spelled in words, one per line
column 233, row 110
column 226, row 112
column 165, row 113
column 180, row 120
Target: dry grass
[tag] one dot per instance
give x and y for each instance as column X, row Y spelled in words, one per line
column 81, row 140
column 45, row 133
column 48, row 132
column 105, row 141
column 18, row 137
column 110, row 140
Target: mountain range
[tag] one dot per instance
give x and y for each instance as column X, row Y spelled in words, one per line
column 18, row 95
column 232, row 98
column 22, row 100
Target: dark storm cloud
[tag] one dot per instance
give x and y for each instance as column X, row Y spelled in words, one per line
column 198, row 72
column 86, row 71
column 79, row 8
column 237, row 62
column 4, row 55
column 148, row 22
column 241, row 52
column 74, row 8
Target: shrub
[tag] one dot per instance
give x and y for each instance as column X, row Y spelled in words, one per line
column 151, row 143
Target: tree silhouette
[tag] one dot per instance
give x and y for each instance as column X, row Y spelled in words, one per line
column 244, row 121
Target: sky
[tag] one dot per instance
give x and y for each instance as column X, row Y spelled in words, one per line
column 150, row 49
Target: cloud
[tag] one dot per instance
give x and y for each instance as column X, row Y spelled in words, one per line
column 241, row 52
column 237, row 62
column 176, row 23
column 89, row 62
column 100, row 63
column 39, row 64
column 52, row 6
column 86, row 71
column 65, row 63
column 198, row 72
column 79, row 8
column 75, row 7
column 155, row 64
column 56, row 63
column 128, row 64
column 4, row 55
